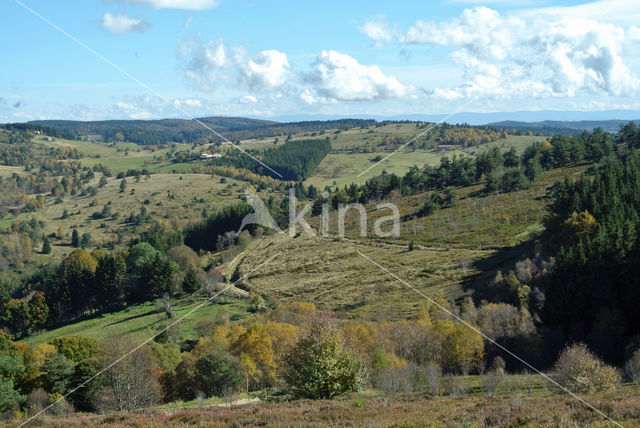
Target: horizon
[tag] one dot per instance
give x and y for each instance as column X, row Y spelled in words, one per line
column 467, row 117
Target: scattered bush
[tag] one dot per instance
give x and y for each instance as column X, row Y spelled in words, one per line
column 632, row 367
column 492, row 381
column 580, row 371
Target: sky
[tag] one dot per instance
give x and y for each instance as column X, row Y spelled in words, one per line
column 148, row 59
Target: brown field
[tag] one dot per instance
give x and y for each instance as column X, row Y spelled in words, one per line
column 504, row 411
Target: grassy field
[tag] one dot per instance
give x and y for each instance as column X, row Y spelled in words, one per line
column 175, row 198
column 343, row 168
column 520, row 142
column 450, row 245
column 331, row 274
column 7, row 171
column 477, row 221
column 143, row 321
column 121, row 156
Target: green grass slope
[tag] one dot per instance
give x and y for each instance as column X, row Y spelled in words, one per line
column 144, row 320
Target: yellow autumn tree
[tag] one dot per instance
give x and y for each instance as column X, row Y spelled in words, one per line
column 460, row 345
column 256, row 344
column 283, row 337
column 578, row 226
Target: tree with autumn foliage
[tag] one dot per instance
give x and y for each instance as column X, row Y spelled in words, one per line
column 255, row 350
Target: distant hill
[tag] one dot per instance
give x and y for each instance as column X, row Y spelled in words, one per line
column 150, row 132
column 473, row 118
column 563, row 127
column 153, row 132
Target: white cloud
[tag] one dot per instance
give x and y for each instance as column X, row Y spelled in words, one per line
column 377, row 30
column 120, row 24
column 187, row 103
column 208, row 64
column 248, row 99
column 340, row 77
column 267, row 70
column 621, row 12
column 176, row 4
column 532, row 55
column 133, row 110
column 203, row 62
column 307, row 97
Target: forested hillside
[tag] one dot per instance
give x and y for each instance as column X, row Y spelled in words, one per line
column 155, row 132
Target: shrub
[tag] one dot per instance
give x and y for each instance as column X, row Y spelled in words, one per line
column 320, row 366
column 580, row 371
column 433, row 378
column 205, row 327
column 184, row 257
column 632, row 367
column 59, row 405
column 395, row 380
column 498, row 364
column 37, row 400
column 492, row 381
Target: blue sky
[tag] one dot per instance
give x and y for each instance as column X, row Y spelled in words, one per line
column 258, row 58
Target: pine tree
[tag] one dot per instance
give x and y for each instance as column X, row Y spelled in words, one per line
column 46, row 246
column 190, row 283
column 75, row 239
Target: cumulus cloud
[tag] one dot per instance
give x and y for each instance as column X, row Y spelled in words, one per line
column 340, row 77
column 203, row 62
column 120, row 24
column 332, row 77
column 506, row 56
column 207, row 64
column 176, row 4
column 267, row 69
